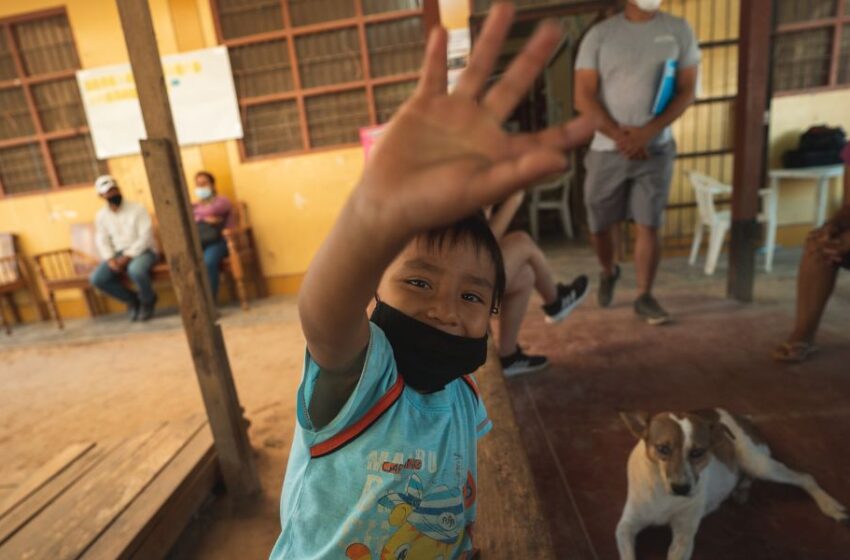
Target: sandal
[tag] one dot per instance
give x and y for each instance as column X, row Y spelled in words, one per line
column 794, row 352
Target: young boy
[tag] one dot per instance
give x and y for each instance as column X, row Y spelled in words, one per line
column 383, row 461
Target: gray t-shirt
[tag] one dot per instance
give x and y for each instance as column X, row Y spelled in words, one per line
column 629, row 58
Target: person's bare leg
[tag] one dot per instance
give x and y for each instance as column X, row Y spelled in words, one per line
column 520, row 250
column 603, row 244
column 815, row 283
column 647, row 257
column 513, row 309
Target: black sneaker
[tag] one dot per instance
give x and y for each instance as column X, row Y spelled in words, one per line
column 569, row 296
column 648, row 309
column 146, row 311
column 518, row 363
column 133, row 309
column 606, row 287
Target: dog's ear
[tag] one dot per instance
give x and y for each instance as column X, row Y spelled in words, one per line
column 637, row 421
column 720, row 432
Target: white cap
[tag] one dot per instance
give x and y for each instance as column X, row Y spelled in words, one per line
column 103, row 183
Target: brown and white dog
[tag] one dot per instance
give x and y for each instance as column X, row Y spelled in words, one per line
column 685, row 465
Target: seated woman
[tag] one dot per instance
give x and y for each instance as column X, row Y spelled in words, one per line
column 213, row 213
column 827, row 250
column 526, row 270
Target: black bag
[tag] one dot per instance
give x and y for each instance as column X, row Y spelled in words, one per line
column 819, row 145
column 208, row 234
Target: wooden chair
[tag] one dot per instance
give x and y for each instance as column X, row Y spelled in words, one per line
column 69, row 269
column 14, row 276
column 243, row 256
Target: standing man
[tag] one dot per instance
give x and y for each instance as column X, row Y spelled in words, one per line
column 124, row 239
column 630, row 163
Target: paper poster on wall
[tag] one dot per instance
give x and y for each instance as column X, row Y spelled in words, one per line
column 458, row 54
column 200, row 90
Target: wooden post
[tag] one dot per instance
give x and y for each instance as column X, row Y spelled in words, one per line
column 751, row 119
column 183, row 251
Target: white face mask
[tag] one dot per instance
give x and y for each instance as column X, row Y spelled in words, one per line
column 648, row 5
column 203, row 192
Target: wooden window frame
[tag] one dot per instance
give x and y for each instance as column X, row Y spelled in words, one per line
column 429, row 15
column 837, row 23
column 26, row 83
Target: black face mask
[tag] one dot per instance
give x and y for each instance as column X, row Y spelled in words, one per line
column 115, row 200
column 428, row 359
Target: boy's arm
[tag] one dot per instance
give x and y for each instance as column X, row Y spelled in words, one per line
column 442, row 157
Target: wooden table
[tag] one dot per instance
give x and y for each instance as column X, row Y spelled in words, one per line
column 821, row 175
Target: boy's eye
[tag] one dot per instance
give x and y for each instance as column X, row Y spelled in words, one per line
column 418, row 283
column 474, row 298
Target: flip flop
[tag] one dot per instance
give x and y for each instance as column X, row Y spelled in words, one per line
column 794, row 352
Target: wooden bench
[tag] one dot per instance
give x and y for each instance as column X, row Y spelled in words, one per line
column 70, row 268
column 129, row 498
column 15, row 276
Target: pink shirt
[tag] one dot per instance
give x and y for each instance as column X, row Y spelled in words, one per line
column 845, row 154
column 219, row 207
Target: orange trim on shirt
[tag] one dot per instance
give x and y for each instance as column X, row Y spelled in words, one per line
column 346, row 436
column 472, row 385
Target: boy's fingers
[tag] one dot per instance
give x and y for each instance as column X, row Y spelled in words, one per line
column 500, row 180
column 486, row 50
column 562, row 137
column 434, row 70
column 524, row 69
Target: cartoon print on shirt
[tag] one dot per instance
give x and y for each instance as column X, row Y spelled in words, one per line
column 429, row 526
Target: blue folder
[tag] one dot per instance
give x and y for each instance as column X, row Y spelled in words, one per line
column 666, row 88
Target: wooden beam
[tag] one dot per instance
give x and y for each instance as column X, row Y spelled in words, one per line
column 183, row 252
column 750, row 143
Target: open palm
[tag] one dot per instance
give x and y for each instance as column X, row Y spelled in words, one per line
column 445, row 155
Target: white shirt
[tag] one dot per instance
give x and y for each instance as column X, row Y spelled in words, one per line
column 128, row 230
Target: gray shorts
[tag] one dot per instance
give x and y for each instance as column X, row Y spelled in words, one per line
column 617, row 188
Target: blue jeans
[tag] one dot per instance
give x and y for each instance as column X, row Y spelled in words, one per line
column 213, row 255
column 139, row 271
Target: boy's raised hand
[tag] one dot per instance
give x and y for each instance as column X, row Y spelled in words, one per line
column 444, row 155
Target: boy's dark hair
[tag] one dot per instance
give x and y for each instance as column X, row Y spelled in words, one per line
column 476, row 229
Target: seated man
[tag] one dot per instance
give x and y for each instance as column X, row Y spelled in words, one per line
column 827, row 249
column 124, row 238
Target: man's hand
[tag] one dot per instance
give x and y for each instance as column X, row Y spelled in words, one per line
column 118, row 264
column 445, row 155
column 212, row 220
column 634, row 141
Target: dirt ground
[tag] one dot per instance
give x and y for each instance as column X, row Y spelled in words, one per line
column 51, row 396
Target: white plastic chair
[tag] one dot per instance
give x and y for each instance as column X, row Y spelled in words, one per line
column 561, row 204
column 719, row 222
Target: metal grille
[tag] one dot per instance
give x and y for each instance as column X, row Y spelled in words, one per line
column 261, row 68
column 46, row 45
column 395, row 47
column 16, row 120
column 75, row 160
column 343, row 64
column 308, row 12
column 704, row 133
column 793, row 11
column 389, row 98
column 802, row 59
column 844, row 57
column 379, row 6
column 327, row 58
column 59, row 105
column 337, row 118
column 42, row 120
column 22, row 169
column 271, row 128
column 239, row 18
column 482, row 6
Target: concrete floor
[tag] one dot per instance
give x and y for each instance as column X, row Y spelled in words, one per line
column 716, row 354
